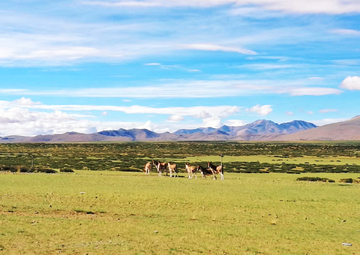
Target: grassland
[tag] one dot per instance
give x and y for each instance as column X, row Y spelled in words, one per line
column 331, row 160
column 109, row 212
column 311, row 157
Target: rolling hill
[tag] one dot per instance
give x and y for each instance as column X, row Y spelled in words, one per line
column 345, row 130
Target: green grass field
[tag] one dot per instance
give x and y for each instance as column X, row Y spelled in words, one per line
column 276, row 160
column 129, row 213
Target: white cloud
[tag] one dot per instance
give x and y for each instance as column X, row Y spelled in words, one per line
column 290, row 113
column 212, row 122
column 153, row 64
column 213, row 47
column 172, row 67
column 202, row 115
column 235, row 123
column 191, row 89
column 313, row 91
column 20, row 121
column 351, row 83
column 328, row 110
column 345, row 32
column 197, row 112
column 175, row 118
column 262, row 110
column 30, row 120
column 310, row 112
column 122, row 4
column 267, row 66
column 294, row 6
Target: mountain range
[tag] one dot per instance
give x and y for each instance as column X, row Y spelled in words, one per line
column 260, row 130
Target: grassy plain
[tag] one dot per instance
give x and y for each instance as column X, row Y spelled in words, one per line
column 331, row 160
column 107, row 212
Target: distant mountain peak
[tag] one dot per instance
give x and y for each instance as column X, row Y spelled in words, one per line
column 258, row 130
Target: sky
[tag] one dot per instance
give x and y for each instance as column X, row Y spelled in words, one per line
column 93, row 65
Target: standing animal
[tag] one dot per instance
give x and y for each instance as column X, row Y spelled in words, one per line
column 206, row 171
column 172, row 168
column 161, row 167
column 148, row 167
column 217, row 169
column 191, row 170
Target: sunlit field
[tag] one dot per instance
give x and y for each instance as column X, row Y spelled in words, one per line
column 108, row 212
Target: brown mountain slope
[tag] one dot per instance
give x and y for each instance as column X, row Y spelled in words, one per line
column 345, row 130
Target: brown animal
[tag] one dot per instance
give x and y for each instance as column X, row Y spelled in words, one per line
column 148, row 167
column 206, row 171
column 217, row 169
column 161, row 167
column 191, row 170
column 172, row 168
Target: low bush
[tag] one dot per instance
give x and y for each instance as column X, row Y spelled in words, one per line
column 12, row 169
column 44, row 170
column 347, row 180
column 25, row 169
column 66, row 170
column 314, row 179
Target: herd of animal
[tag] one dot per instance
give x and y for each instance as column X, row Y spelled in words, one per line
column 163, row 167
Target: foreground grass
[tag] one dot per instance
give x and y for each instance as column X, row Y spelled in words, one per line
column 129, row 213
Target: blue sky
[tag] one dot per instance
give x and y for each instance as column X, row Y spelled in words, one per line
column 87, row 65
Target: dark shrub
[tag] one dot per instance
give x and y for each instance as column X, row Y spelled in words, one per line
column 24, row 169
column 12, row 169
column 66, row 170
column 347, row 180
column 44, row 170
column 314, row 179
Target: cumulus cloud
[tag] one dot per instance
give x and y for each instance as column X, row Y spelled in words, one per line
column 212, row 122
column 262, row 110
column 202, row 115
column 213, row 47
column 351, row 83
column 20, row 121
column 25, row 117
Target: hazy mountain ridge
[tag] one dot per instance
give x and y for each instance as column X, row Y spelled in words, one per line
column 259, row 130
